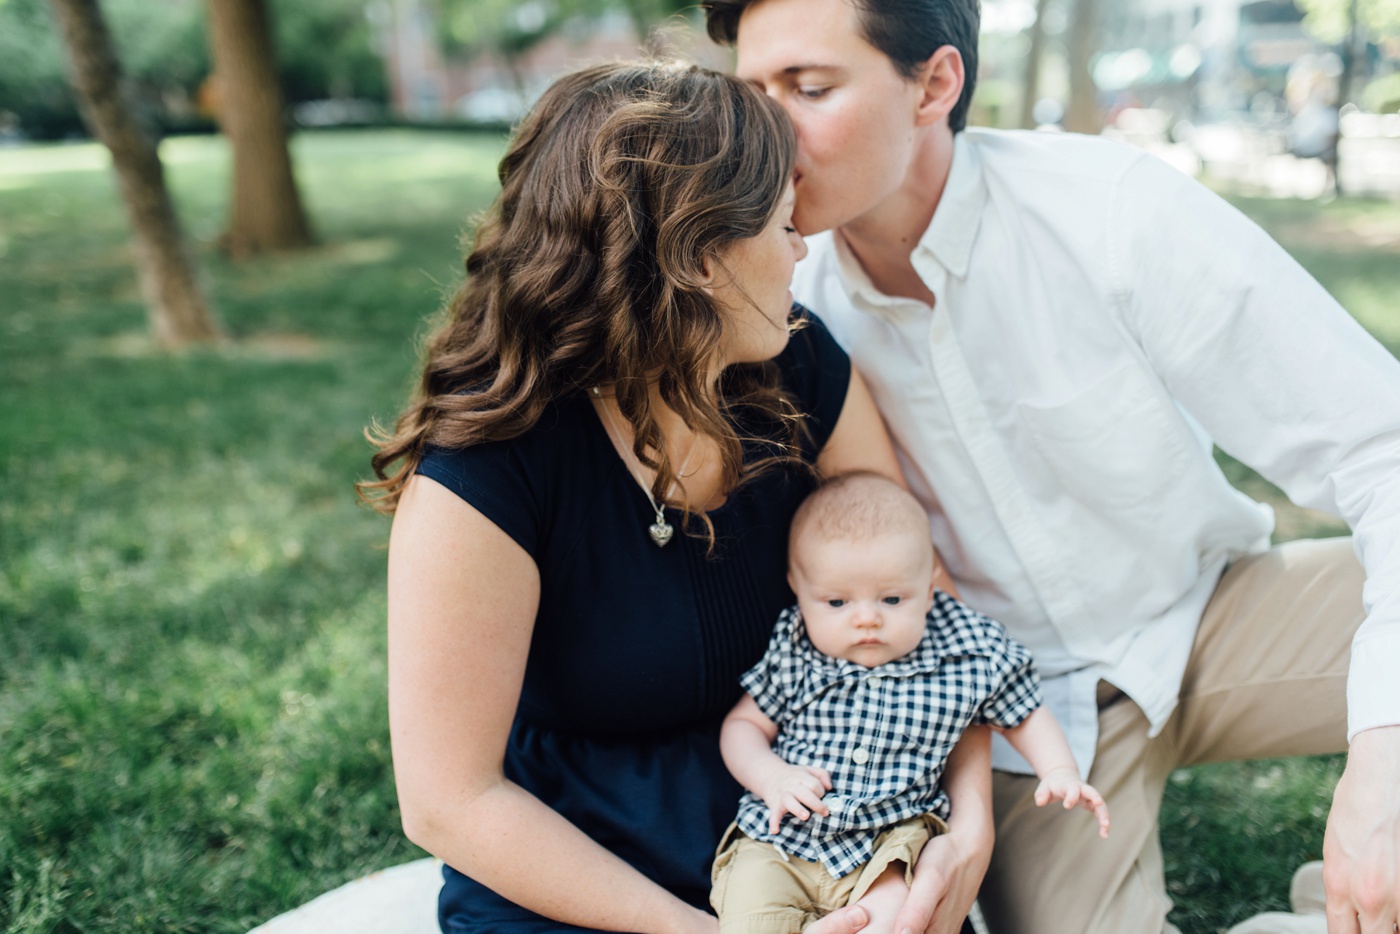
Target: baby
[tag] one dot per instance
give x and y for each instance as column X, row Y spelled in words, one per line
column 849, row 718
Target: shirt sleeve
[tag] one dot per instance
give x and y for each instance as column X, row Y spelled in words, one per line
column 773, row 683
column 1017, row 691
column 818, row 372
column 1280, row 376
column 493, row 479
column 1012, row 691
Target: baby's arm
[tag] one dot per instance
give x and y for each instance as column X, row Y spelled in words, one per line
column 1042, row 742
column 746, row 742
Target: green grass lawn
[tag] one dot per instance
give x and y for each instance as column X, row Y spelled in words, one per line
column 193, row 733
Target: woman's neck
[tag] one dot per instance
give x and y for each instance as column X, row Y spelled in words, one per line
column 693, row 456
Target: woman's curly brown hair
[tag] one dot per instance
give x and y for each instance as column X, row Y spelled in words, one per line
column 589, row 270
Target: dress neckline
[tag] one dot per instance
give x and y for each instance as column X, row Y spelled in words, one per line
column 619, row 469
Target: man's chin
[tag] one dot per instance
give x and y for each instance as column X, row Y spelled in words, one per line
column 809, row 223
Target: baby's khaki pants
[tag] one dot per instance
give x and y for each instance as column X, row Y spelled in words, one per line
column 1267, row 677
column 757, row 890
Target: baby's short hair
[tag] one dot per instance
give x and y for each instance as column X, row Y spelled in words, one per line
column 858, row 506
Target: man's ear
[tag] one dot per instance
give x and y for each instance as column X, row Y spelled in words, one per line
column 941, row 81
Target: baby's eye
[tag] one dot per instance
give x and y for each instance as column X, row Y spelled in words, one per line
column 836, row 603
column 893, row 601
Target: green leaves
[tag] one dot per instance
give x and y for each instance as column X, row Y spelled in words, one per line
column 1330, row 20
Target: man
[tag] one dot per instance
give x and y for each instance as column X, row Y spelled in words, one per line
column 1056, row 328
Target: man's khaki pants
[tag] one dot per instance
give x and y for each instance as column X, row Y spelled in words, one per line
column 1266, row 678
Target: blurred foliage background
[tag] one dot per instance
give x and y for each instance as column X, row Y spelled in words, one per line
column 325, row 50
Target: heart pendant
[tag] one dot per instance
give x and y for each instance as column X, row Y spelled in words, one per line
column 660, row 532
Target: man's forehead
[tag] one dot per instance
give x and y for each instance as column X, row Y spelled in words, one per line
column 785, row 38
column 793, row 70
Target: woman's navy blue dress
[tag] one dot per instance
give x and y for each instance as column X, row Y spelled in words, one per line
column 637, row 650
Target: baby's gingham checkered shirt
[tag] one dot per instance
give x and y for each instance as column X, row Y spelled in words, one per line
column 884, row 733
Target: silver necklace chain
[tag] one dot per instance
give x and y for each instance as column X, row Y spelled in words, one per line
column 660, row 531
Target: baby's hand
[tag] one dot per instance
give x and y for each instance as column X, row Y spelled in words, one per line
column 795, row 790
column 1064, row 785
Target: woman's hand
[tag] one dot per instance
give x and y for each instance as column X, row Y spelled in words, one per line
column 950, row 868
column 846, row 920
column 946, row 879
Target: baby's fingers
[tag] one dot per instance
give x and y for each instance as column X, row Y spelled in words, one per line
column 787, row 804
column 1093, row 801
column 1042, row 795
column 1072, row 796
column 822, row 775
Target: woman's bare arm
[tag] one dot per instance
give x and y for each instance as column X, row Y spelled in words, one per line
column 462, row 602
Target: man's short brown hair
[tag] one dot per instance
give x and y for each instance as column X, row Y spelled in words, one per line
column 907, row 31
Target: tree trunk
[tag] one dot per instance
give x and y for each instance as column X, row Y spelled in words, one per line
column 266, row 213
column 175, row 303
column 1083, row 113
column 1353, row 54
column 1030, row 87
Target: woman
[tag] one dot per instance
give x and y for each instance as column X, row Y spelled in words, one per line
column 592, row 491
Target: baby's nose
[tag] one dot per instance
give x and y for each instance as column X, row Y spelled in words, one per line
column 867, row 617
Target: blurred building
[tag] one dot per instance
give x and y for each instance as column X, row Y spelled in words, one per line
column 1202, row 59
column 430, row 80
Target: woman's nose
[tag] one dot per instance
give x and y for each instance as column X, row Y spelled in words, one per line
column 801, row 248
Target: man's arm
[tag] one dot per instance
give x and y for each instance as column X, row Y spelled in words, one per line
column 1283, row 379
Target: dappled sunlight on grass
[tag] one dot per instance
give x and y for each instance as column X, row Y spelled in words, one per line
column 46, row 159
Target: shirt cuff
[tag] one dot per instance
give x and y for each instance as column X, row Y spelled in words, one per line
column 1373, row 693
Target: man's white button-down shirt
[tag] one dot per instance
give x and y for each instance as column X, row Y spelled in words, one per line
column 1100, row 320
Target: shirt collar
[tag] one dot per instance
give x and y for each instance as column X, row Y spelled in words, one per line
column 957, row 219
column 950, row 236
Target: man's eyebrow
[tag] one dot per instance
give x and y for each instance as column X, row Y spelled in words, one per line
column 796, row 69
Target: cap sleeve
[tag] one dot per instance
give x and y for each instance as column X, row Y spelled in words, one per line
column 493, row 479
column 774, row 681
column 818, row 372
column 1012, row 687
column 1016, row 694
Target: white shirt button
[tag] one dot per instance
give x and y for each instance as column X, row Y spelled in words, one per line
column 860, row 755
